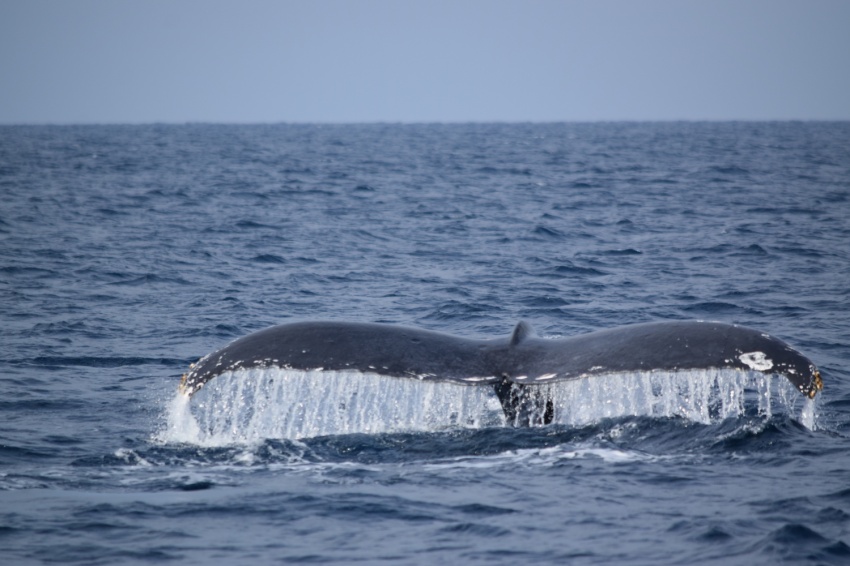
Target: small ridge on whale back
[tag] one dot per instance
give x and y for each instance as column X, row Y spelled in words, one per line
column 522, row 332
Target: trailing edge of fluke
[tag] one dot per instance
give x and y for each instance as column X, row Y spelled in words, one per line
column 512, row 364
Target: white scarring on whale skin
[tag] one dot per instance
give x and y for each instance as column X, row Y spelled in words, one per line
column 756, row 360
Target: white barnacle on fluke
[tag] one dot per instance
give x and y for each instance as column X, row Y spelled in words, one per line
column 756, row 360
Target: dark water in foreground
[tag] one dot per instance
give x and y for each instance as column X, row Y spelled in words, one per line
column 128, row 252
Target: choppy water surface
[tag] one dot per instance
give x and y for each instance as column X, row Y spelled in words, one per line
column 127, row 252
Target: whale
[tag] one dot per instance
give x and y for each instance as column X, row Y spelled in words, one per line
column 512, row 365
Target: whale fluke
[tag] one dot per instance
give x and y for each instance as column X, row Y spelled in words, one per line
column 511, row 365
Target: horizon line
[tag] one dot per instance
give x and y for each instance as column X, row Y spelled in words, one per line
column 415, row 122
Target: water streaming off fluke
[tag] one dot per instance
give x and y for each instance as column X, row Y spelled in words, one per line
column 255, row 404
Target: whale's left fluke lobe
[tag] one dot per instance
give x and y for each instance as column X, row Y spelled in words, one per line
column 513, row 364
column 384, row 349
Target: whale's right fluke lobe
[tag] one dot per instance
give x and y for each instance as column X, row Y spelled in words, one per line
column 514, row 365
column 667, row 346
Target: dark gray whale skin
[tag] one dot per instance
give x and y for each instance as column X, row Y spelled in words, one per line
column 512, row 364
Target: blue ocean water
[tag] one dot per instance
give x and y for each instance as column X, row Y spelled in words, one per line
column 127, row 252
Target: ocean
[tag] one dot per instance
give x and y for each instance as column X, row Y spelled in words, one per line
column 128, row 252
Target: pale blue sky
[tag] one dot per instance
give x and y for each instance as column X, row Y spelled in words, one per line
column 107, row 61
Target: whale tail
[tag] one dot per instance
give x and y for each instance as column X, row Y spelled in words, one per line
column 519, row 367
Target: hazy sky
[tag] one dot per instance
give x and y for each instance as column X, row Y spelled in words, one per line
column 102, row 61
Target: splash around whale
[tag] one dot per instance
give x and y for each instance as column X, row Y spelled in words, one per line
column 516, row 366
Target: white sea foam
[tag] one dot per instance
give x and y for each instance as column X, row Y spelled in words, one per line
column 538, row 457
column 251, row 405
